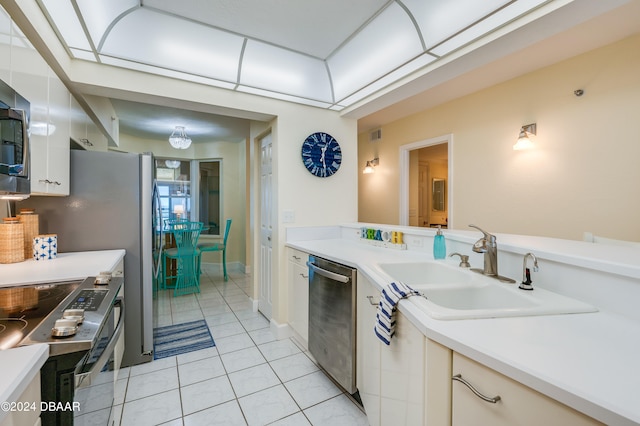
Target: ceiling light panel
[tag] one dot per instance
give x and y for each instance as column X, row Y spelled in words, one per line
column 488, row 25
column 175, row 44
column 65, row 20
column 269, row 67
column 389, row 79
column 316, row 28
column 388, row 41
column 100, row 14
column 83, row 54
column 440, row 19
column 123, row 63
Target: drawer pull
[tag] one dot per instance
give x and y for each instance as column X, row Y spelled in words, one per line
column 371, row 301
column 295, row 257
column 303, row 275
column 458, row 378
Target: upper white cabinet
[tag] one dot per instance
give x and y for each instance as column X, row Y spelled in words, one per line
column 83, row 131
column 49, row 125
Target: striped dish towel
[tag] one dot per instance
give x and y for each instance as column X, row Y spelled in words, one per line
column 386, row 315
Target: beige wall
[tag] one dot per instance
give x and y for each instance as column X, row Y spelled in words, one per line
column 584, row 174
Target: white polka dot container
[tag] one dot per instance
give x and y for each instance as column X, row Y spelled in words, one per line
column 45, row 247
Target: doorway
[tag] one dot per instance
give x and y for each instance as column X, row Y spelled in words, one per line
column 425, row 183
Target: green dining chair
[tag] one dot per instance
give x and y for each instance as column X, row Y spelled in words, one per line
column 187, row 257
column 204, row 247
column 163, row 278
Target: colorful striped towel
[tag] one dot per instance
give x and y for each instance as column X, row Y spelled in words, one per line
column 386, row 316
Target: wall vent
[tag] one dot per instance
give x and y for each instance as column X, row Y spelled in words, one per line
column 375, row 135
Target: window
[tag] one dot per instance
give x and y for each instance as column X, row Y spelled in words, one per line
column 209, row 196
column 174, row 188
column 176, row 183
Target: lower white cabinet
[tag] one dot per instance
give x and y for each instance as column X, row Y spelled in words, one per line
column 299, row 294
column 368, row 348
column 518, row 404
column 407, row 382
column 31, row 397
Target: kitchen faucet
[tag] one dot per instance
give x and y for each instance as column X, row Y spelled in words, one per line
column 487, row 245
column 526, row 273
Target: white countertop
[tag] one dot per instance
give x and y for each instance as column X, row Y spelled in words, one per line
column 66, row 267
column 18, row 367
column 586, row 361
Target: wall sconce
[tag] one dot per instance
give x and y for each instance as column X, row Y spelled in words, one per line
column 524, row 139
column 369, row 168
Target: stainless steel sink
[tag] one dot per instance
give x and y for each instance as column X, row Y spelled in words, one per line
column 454, row 293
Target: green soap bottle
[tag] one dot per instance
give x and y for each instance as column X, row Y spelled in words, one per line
column 439, row 247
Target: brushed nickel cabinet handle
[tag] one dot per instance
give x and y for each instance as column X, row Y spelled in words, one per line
column 458, row 378
column 371, row 302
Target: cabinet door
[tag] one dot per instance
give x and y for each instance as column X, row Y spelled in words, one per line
column 402, row 376
column 367, row 349
column 58, row 165
column 299, row 295
column 437, row 392
column 518, row 404
column 49, row 139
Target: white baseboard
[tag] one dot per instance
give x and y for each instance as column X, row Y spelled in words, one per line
column 231, row 266
column 281, row 331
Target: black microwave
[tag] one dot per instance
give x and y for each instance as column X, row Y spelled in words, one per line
column 14, row 145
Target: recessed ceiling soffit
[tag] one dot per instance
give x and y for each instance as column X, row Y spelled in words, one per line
column 328, row 53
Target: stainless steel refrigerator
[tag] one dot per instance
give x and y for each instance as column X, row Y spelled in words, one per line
column 111, row 206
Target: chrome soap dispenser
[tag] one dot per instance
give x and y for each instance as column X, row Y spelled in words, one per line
column 439, row 247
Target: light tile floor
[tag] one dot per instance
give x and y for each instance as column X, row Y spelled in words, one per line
column 248, row 378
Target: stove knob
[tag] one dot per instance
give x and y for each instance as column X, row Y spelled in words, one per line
column 74, row 314
column 103, row 278
column 64, row 328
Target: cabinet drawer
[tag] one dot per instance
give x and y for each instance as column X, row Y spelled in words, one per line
column 518, row 404
column 298, row 257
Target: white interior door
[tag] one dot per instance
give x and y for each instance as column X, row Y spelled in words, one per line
column 266, row 220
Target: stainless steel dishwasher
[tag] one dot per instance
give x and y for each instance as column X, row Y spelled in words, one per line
column 332, row 319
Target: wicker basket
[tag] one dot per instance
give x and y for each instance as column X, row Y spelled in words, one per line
column 11, row 240
column 30, row 221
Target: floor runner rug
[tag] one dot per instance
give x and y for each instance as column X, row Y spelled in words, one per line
column 178, row 339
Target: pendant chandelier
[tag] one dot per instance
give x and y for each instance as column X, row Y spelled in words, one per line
column 179, row 138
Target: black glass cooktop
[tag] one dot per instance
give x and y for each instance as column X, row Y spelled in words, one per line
column 23, row 308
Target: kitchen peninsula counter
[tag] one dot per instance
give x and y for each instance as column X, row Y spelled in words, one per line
column 66, row 267
column 586, row 361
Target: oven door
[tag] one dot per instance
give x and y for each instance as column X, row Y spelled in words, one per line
column 96, row 373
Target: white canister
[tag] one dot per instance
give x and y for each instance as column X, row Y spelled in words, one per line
column 45, row 247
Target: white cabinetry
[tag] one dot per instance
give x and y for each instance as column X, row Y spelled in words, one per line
column 30, row 415
column 49, row 125
column 299, row 295
column 407, row 382
column 518, row 404
column 84, row 132
column 368, row 348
